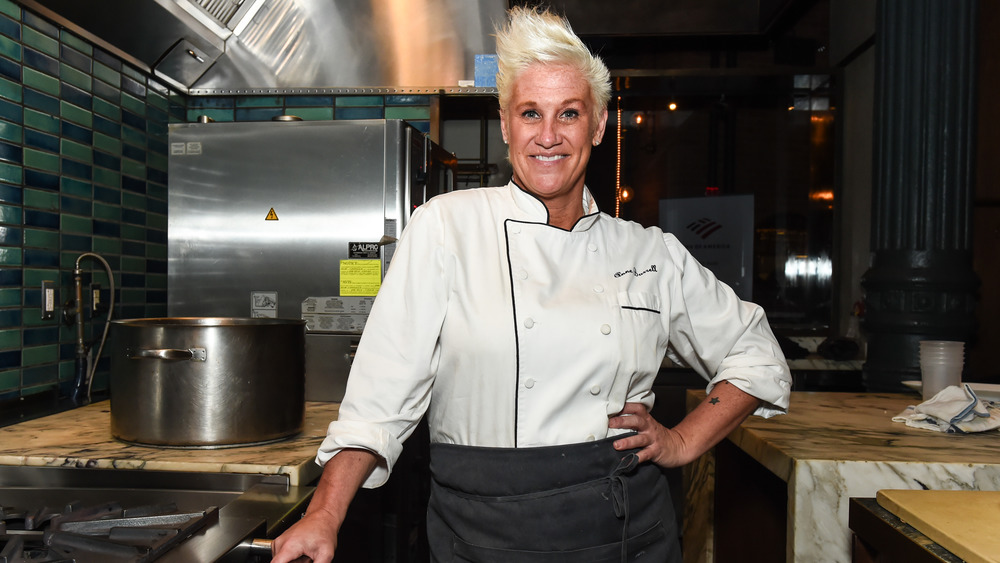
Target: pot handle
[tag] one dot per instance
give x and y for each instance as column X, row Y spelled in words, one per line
column 193, row 354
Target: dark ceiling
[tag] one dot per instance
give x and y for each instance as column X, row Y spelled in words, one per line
column 700, row 34
column 676, row 17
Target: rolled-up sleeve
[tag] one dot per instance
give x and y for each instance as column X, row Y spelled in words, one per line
column 724, row 338
column 389, row 386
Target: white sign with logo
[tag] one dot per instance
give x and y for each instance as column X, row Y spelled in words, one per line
column 719, row 232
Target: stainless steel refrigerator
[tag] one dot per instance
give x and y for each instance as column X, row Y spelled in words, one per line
column 294, row 219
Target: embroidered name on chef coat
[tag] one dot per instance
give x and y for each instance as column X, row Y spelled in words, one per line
column 635, row 272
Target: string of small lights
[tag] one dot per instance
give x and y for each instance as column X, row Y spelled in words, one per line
column 618, row 161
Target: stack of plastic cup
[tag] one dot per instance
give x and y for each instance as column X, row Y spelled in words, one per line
column 941, row 363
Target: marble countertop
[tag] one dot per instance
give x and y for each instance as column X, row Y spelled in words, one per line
column 82, row 437
column 834, row 446
column 855, row 427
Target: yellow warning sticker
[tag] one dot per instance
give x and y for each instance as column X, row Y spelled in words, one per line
column 360, row 277
column 271, row 215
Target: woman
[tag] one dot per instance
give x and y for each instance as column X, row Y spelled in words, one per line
column 530, row 327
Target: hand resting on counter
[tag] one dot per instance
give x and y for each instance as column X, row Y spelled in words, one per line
column 315, row 536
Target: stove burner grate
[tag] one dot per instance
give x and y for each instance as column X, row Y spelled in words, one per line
column 106, row 533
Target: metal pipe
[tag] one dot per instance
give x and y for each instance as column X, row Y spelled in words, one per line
column 82, row 353
column 81, row 366
column 81, row 347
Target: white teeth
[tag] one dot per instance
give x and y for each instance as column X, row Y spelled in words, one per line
column 548, row 158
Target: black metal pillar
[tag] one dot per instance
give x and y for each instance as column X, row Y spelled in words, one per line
column 921, row 285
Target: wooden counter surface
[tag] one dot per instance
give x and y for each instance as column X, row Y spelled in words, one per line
column 833, row 446
column 880, row 536
column 964, row 522
column 82, row 437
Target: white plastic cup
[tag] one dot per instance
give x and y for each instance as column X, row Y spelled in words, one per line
column 941, row 363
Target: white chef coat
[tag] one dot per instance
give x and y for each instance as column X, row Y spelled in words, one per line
column 510, row 332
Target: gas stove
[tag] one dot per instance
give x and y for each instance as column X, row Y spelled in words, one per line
column 83, row 515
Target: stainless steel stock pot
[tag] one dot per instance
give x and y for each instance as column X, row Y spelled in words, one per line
column 203, row 382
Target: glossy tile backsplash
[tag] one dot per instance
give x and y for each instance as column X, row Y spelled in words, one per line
column 415, row 109
column 83, row 168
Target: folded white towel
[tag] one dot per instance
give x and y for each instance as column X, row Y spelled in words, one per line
column 953, row 409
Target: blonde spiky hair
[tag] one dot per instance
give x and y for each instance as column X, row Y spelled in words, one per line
column 536, row 35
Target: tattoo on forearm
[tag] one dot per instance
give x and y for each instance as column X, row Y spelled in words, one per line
column 715, row 400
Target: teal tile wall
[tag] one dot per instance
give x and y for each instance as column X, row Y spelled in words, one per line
column 413, row 108
column 83, row 168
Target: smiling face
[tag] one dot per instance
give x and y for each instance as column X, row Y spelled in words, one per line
column 550, row 127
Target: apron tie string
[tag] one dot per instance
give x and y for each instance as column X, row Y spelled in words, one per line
column 618, row 491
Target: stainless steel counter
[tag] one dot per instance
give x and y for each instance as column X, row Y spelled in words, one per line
column 226, row 510
column 71, row 459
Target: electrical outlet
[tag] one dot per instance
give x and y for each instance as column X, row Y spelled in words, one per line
column 48, row 299
column 96, row 305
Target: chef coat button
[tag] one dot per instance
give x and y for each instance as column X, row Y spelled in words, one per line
column 605, row 329
column 598, row 289
column 529, row 322
column 591, row 438
column 592, row 247
column 529, row 383
column 596, row 389
column 523, row 274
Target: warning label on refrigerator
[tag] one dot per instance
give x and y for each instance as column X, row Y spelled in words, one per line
column 360, row 277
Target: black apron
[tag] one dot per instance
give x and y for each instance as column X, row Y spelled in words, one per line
column 579, row 503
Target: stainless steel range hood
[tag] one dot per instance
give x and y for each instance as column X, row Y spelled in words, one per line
column 211, row 47
column 259, row 46
column 177, row 38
